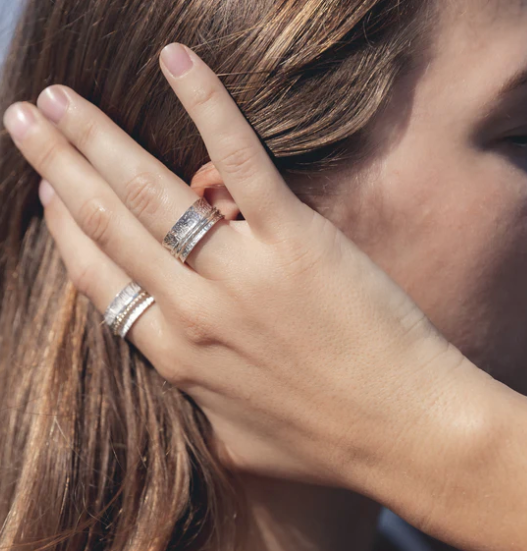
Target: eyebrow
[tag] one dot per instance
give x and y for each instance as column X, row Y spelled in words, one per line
column 516, row 81
column 494, row 106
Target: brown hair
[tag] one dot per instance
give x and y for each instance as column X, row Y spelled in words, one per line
column 97, row 451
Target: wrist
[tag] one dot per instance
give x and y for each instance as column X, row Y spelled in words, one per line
column 460, row 459
column 473, row 476
column 406, row 420
column 431, row 415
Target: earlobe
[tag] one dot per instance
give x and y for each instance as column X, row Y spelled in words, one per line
column 207, row 182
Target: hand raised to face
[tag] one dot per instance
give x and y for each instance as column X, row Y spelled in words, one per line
column 284, row 332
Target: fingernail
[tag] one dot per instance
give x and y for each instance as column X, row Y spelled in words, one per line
column 18, row 119
column 53, row 102
column 176, row 58
column 45, row 192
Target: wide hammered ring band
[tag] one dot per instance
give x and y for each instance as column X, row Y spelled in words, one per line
column 126, row 308
column 190, row 228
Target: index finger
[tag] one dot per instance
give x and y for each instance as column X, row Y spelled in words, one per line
column 254, row 182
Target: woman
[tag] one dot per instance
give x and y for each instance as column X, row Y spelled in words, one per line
column 387, row 105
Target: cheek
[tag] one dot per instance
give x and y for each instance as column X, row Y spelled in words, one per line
column 451, row 234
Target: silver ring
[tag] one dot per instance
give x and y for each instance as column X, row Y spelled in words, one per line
column 190, row 228
column 126, row 307
column 196, row 236
column 134, row 315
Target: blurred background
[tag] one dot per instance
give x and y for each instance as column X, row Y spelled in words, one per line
column 9, row 10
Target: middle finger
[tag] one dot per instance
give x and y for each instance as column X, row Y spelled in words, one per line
column 154, row 194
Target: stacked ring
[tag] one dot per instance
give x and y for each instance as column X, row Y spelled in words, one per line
column 185, row 234
column 190, row 228
column 126, row 307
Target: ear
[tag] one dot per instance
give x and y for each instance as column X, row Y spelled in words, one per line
column 208, row 183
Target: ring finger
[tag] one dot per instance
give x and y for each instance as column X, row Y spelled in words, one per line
column 97, row 277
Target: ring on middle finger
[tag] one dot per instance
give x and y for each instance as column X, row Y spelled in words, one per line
column 190, row 228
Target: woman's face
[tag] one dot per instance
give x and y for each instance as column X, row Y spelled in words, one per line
column 443, row 209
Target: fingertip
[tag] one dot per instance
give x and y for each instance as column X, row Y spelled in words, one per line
column 176, row 59
column 45, row 192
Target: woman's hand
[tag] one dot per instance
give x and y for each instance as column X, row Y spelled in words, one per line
column 304, row 355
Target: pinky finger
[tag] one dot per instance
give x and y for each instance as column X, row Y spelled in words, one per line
column 97, row 276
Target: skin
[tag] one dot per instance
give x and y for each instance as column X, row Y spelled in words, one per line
column 431, row 186
column 443, row 209
column 454, row 178
column 445, row 175
column 448, row 176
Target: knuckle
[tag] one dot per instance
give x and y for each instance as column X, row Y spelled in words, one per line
column 83, row 277
column 94, row 219
column 49, row 156
column 142, row 194
column 195, row 332
column 86, row 135
column 241, row 162
column 205, row 96
column 195, row 324
column 298, row 253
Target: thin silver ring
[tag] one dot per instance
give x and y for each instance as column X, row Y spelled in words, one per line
column 121, row 300
column 126, row 307
column 134, row 315
column 123, row 315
